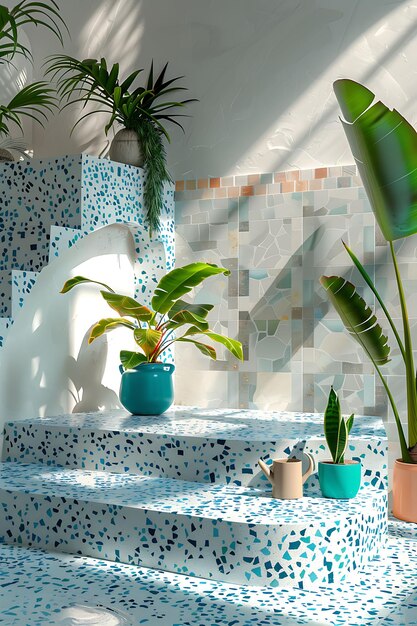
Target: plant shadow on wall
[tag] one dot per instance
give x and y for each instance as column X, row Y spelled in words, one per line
column 243, row 61
column 89, row 367
column 59, row 371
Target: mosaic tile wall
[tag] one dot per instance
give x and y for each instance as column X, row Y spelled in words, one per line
column 278, row 233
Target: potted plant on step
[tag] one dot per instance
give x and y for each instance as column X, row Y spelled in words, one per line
column 384, row 146
column 138, row 110
column 146, row 386
column 338, row 478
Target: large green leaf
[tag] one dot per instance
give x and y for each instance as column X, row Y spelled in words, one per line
column 107, row 324
column 370, row 284
column 147, row 339
column 181, row 281
column 384, row 146
column 203, row 347
column 130, row 360
column 78, row 280
column 124, row 305
column 234, row 346
column 186, row 317
column 199, row 309
column 357, row 317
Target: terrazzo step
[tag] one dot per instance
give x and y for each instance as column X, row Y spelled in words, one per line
column 79, row 192
column 43, row 589
column 22, row 284
column 204, row 445
column 227, row 533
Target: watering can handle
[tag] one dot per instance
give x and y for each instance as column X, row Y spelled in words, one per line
column 171, row 367
column 311, row 467
column 121, row 369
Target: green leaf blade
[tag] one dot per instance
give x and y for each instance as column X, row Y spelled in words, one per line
column 148, row 339
column 357, row 317
column 234, row 346
column 180, row 281
column 130, row 360
column 107, row 324
column 384, row 146
column 78, row 280
column 332, row 419
column 202, row 347
column 126, row 306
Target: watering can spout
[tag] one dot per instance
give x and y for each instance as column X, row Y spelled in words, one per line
column 266, row 470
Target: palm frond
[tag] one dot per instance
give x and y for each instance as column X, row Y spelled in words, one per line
column 45, row 14
column 32, row 101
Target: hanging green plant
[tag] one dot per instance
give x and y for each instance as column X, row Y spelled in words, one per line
column 138, row 110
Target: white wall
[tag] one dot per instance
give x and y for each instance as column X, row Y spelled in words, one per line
column 263, row 71
column 47, row 367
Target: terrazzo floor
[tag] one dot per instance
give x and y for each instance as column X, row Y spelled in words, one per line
column 39, row 589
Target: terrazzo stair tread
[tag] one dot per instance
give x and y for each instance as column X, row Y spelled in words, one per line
column 22, row 283
column 190, row 443
column 39, row 589
column 228, row 533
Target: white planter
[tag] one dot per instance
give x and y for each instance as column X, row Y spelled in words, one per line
column 125, row 148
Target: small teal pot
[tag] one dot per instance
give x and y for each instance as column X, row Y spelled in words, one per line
column 147, row 389
column 339, row 480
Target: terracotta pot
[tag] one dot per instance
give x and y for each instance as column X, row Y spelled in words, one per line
column 125, row 148
column 404, row 491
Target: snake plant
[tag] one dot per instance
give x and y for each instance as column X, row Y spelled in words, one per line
column 139, row 109
column 36, row 99
column 384, row 146
column 336, row 428
column 155, row 329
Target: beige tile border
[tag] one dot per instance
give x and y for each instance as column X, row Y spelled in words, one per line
column 339, row 176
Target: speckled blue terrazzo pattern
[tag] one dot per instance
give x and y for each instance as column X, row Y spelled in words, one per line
column 37, row 588
column 226, row 533
column 113, row 192
column 45, row 203
column 22, row 284
column 205, row 445
column 35, row 195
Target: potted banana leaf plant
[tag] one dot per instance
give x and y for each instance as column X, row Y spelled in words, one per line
column 34, row 100
column 338, row 478
column 384, row 146
column 146, row 385
column 138, row 110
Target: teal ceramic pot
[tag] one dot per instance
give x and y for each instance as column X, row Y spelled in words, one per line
column 339, row 481
column 147, row 389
